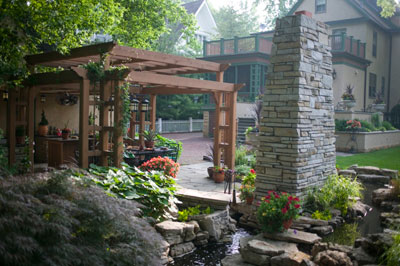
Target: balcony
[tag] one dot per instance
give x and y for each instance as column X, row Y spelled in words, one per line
column 237, row 45
column 346, row 44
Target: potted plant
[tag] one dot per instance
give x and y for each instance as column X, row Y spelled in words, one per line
column 162, row 164
column 43, row 125
column 219, row 174
column 348, row 98
column 248, row 187
column 65, row 132
column 379, row 104
column 277, row 211
column 149, row 137
column 20, row 134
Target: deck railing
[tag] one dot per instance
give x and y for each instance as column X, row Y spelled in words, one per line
column 343, row 43
column 237, row 45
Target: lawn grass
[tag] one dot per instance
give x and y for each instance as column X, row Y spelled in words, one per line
column 388, row 158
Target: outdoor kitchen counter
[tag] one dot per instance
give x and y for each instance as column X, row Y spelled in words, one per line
column 62, row 151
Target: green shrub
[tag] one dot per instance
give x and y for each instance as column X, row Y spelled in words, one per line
column 375, row 120
column 242, row 170
column 325, row 215
column 340, row 125
column 241, row 155
column 338, row 192
column 170, row 143
column 367, row 125
column 391, row 257
column 61, row 221
column 152, row 189
column 184, row 215
column 388, row 126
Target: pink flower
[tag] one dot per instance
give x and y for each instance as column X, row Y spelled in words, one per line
column 297, row 206
column 277, row 196
column 296, row 199
column 252, row 171
column 284, row 210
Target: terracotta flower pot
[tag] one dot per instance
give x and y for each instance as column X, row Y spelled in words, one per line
column 149, row 144
column 43, row 130
column 65, row 135
column 219, row 177
column 249, row 200
column 287, row 224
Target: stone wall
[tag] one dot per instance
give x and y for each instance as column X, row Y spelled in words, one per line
column 297, row 142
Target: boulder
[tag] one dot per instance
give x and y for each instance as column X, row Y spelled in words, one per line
column 270, row 247
column 196, row 226
column 254, row 258
column 389, row 172
column 216, row 224
column 352, row 167
column 322, row 230
column 348, row 173
column 358, row 209
column 374, row 179
column 234, row 260
column 323, row 246
column 176, row 232
column 290, row 259
column 332, row 258
column 374, row 244
column 180, row 249
column 381, row 194
column 307, row 220
column 294, row 237
column 362, row 257
column 368, row 170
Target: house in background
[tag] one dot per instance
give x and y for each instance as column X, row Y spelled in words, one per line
column 365, row 50
column 205, row 23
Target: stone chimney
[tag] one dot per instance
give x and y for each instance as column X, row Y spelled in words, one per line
column 296, row 141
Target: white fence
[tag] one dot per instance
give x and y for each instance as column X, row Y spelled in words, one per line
column 171, row 126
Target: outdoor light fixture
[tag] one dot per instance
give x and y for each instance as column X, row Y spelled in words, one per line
column 134, row 105
column 5, row 95
column 42, row 98
column 145, row 105
column 334, row 74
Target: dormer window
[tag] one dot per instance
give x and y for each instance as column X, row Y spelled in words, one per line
column 320, row 6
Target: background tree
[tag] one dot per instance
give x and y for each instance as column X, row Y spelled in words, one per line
column 274, row 9
column 30, row 26
column 233, row 22
column 388, row 7
column 179, row 107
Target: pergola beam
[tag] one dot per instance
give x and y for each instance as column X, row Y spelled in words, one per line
column 168, row 91
column 157, row 79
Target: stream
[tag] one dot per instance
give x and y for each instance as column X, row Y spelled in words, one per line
column 346, row 234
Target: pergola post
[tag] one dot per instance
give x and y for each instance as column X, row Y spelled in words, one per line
column 84, row 123
column 32, row 92
column 105, row 93
column 153, row 104
column 11, row 124
column 232, row 132
column 118, row 138
column 217, row 133
column 142, row 124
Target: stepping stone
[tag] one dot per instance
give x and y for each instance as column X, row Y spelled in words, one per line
column 294, row 236
column 322, row 230
column 389, row 172
column 374, row 178
column 271, row 247
column 348, row 173
column 307, row 220
column 368, row 170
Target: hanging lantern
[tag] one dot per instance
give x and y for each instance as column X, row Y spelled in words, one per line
column 145, row 105
column 134, row 105
column 5, row 95
column 42, row 98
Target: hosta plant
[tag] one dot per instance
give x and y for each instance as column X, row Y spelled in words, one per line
column 162, row 164
column 276, row 210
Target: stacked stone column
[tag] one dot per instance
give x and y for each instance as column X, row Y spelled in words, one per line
column 296, row 141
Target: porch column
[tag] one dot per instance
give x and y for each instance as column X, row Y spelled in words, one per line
column 11, row 123
column 153, row 104
column 118, row 138
column 84, row 123
column 32, row 92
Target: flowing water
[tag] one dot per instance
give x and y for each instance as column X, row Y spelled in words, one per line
column 347, row 233
column 212, row 254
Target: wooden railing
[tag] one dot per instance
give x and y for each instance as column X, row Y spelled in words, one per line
column 343, row 43
column 237, row 45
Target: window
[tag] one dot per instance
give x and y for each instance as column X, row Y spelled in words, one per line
column 372, row 85
column 339, row 31
column 374, row 44
column 383, row 87
column 320, row 6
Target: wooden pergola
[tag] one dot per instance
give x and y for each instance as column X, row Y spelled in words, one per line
column 149, row 73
